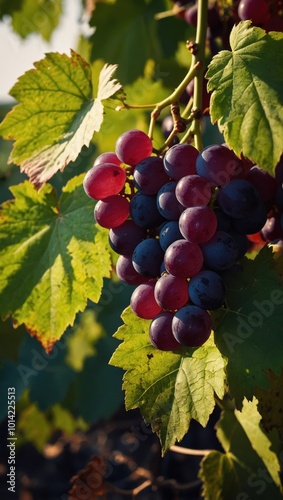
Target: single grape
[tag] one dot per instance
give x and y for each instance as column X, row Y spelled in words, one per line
column 272, row 229
column 143, row 303
column 108, row 157
column 180, row 160
column 104, row 180
column 149, row 175
column 255, row 10
column 191, row 326
column 193, row 190
column 133, row 146
column 198, row 224
column 112, row 211
column 171, row 292
column 124, row 238
column 160, row 332
column 183, row 259
column 253, row 222
column 207, row 290
column 219, row 253
column 167, row 204
column 144, row 211
column 127, row 273
column 169, row 233
column 147, row 257
column 238, row 198
column 217, row 164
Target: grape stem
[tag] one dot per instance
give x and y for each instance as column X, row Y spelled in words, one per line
column 196, row 72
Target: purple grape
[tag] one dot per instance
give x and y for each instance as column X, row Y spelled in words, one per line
column 124, row 238
column 207, row 290
column 264, row 183
column 127, row 273
column 180, row 160
column 238, row 198
column 167, row 203
column 171, row 292
column 191, row 326
column 149, row 175
column 198, row 224
column 183, row 259
column 148, row 257
column 193, row 190
column 143, row 303
column 144, row 211
column 169, row 233
column 160, row 332
column 112, row 211
column 104, row 180
column 253, row 222
column 217, row 164
column 221, row 252
column 133, row 146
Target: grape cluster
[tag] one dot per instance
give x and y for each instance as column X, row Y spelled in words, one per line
column 178, row 222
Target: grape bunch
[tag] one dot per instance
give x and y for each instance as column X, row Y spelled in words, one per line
column 178, row 222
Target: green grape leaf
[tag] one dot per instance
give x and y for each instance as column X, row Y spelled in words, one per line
column 270, row 403
column 249, row 466
column 37, row 16
column 57, row 114
column 170, row 388
column 248, row 332
column 53, row 257
column 247, row 94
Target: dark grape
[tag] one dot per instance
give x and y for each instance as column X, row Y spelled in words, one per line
column 198, row 224
column 133, row 146
column 217, row 164
column 149, row 175
column 148, row 257
column 193, row 190
column 241, row 241
column 160, row 332
column 272, row 229
column 127, row 273
column 144, row 211
column 221, row 252
column 104, row 180
column 253, row 222
column 124, row 238
column 183, row 258
column 171, row 292
column 224, row 222
column 169, row 233
column 238, row 198
column 112, row 211
column 207, row 290
column 191, row 326
column 180, row 160
column 264, row 183
column 257, row 11
column 167, row 204
column 143, row 303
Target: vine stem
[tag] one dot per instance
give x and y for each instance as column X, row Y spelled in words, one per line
column 190, row 451
column 195, row 72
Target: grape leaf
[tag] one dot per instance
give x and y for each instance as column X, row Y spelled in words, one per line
column 250, row 466
column 170, row 388
column 248, row 333
column 52, row 258
column 270, row 403
column 247, row 93
column 57, row 114
column 37, row 16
